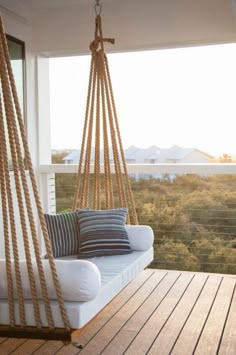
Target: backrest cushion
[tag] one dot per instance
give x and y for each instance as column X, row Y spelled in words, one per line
column 103, row 232
column 63, row 231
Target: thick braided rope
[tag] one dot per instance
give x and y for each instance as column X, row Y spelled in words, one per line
column 130, row 193
column 115, row 130
column 97, row 181
column 17, row 166
column 79, row 173
column 28, row 207
column 85, row 187
column 7, row 244
column 5, row 223
column 120, row 188
column 100, row 92
column 118, row 175
column 109, row 196
column 41, row 217
column 10, row 211
column 39, row 208
column 84, row 198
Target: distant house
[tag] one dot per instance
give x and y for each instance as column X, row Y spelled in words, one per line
column 154, row 155
column 72, row 158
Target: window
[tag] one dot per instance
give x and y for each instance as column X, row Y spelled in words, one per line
column 17, row 56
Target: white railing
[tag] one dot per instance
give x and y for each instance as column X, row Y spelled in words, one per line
column 47, row 174
column 201, row 169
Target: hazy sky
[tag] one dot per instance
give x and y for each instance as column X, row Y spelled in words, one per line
column 176, row 96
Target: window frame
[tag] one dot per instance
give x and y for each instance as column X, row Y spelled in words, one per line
column 22, row 44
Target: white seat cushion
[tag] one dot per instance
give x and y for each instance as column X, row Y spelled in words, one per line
column 116, row 272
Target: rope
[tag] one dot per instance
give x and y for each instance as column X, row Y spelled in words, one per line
column 13, row 114
column 17, row 167
column 3, row 189
column 85, row 188
column 130, row 194
column 101, row 114
column 97, row 182
column 109, row 196
column 79, row 177
column 7, row 194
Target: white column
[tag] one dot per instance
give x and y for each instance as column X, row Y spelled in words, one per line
column 46, row 181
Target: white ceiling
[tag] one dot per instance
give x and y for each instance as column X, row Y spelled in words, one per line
column 37, row 4
column 66, row 26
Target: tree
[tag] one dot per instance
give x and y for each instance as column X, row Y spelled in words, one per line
column 226, row 158
column 175, row 255
column 58, row 158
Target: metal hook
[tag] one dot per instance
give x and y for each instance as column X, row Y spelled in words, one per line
column 97, row 8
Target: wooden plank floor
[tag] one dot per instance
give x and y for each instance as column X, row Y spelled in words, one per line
column 160, row 312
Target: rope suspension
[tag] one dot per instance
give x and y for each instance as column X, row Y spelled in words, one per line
column 19, row 200
column 97, row 188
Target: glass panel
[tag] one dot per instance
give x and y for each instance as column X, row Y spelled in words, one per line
column 17, row 56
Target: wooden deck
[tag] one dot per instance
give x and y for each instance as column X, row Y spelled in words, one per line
column 160, row 312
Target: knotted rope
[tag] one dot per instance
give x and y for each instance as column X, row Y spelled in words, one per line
column 101, row 128
column 12, row 128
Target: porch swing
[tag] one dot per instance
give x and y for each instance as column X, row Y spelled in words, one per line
column 36, row 300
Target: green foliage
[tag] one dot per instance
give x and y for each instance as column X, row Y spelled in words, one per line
column 193, row 218
column 58, row 158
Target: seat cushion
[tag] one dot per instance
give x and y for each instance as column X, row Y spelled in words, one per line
column 116, row 272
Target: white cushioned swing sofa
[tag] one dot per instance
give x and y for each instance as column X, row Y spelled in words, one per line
column 88, row 284
column 92, row 254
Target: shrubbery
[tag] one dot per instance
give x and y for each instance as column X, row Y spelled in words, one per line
column 193, row 217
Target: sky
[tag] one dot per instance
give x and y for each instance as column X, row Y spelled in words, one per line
column 181, row 96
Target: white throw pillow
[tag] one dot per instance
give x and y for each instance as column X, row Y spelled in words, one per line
column 141, row 238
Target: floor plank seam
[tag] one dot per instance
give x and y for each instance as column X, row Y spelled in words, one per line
column 181, row 330
column 38, row 349
column 208, row 313
column 58, row 349
column 226, row 319
column 3, row 341
column 117, row 311
column 65, row 346
column 158, row 284
column 158, row 305
column 17, row 347
column 163, row 311
column 171, row 313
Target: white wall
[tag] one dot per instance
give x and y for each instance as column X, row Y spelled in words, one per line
column 196, row 157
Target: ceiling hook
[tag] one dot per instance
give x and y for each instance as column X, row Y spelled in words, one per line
column 97, row 8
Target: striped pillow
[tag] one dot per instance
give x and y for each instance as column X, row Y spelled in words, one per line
column 103, row 233
column 63, row 232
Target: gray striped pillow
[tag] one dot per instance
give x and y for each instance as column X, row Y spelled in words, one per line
column 63, row 232
column 103, row 232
